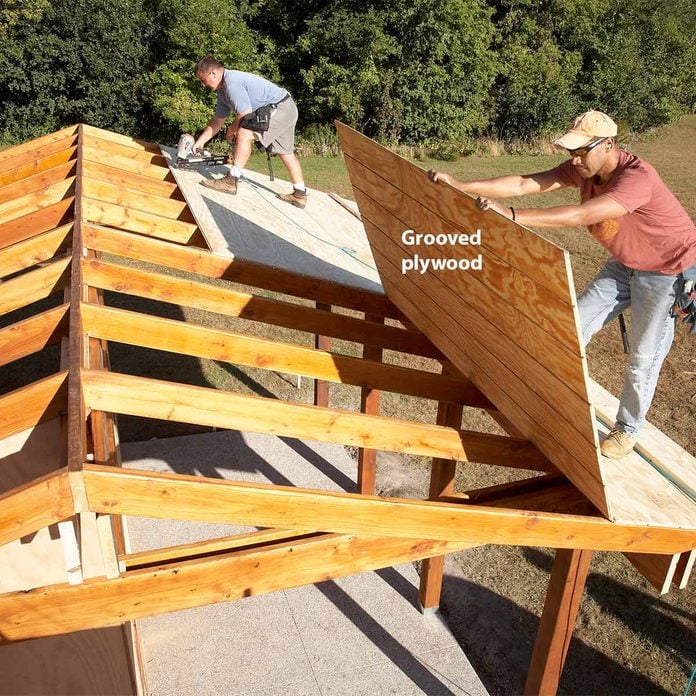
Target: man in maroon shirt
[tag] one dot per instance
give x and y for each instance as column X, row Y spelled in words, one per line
column 631, row 212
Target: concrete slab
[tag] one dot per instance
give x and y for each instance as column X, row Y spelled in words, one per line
column 356, row 635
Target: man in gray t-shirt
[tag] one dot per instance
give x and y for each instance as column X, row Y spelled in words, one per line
column 242, row 93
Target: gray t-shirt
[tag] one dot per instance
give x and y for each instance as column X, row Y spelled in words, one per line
column 243, row 91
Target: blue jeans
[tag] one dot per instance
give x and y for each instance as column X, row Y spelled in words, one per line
column 650, row 296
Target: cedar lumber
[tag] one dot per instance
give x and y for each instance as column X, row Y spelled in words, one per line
column 132, row 180
column 30, row 225
column 37, row 200
column 204, row 263
column 180, row 337
column 126, row 164
column 37, row 182
column 67, row 152
column 35, row 149
column 33, row 334
column 34, row 505
column 108, row 147
column 30, row 252
column 218, row 299
column 171, row 496
column 148, row 592
column 139, row 396
column 34, row 285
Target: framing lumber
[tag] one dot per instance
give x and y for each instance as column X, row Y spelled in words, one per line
column 35, row 223
column 34, row 149
column 112, row 136
column 187, row 584
column 657, row 569
column 67, row 152
column 171, row 496
column 36, row 200
column 132, row 180
column 149, row 224
column 34, row 285
column 30, row 252
column 204, row 263
column 684, row 568
column 109, row 147
column 37, row 182
column 563, row 598
column 35, row 505
column 126, row 164
column 139, row 396
column 33, row 334
column 322, row 343
column 170, row 335
column 221, row 300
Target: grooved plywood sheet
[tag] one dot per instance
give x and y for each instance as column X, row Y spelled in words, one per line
column 323, row 241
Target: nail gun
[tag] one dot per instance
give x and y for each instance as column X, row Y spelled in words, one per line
column 187, row 158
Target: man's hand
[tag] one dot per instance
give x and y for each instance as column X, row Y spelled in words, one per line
column 490, row 204
column 441, row 176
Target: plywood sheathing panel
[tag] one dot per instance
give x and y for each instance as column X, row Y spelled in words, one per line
column 324, row 240
column 474, row 317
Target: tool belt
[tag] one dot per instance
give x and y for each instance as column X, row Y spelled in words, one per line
column 684, row 308
column 259, row 120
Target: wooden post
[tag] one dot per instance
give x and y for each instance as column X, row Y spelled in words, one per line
column 369, row 403
column 321, row 387
column 563, row 596
column 441, row 483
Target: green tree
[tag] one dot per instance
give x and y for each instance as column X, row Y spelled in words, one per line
column 77, row 61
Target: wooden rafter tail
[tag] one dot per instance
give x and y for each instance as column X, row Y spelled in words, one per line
column 132, row 328
column 35, row 505
column 256, row 275
column 171, row 496
column 34, row 334
column 36, row 223
column 228, row 302
column 65, row 151
column 34, row 149
column 139, row 396
column 187, row 584
column 684, row 568
column 34, row 285
column 38, row 249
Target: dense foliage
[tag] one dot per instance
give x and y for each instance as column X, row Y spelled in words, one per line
column 414, row 71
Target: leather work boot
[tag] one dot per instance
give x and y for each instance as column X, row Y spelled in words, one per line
column 617, row 444
column 228, row 184
column 297, row 198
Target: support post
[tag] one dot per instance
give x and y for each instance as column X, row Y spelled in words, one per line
column 441, row 484
column 321, row 386
column 563, row 597
column 369, row 403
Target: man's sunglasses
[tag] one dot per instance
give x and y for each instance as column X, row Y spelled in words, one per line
column 582, row 151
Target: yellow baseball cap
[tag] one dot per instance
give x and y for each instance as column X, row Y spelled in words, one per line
column 585, row 128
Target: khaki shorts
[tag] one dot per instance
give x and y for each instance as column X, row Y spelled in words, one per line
column 281, row 133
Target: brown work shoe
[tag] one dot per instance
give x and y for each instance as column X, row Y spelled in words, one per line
column 617, row 444
column 228, row 184
column 297, row 198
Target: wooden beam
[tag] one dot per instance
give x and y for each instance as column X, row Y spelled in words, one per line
column 164, row 207
column 133, row 143
column 171, row 496
column 138, row 221
column 43, row 220
column 34, row 285
column 188, row 293
column 37, row 182
column 33, row 334
column 563, row 598
column 369, row 404
column 35, row 149
column 132, row 180
column 67, row 152
column 138, row 396
column 109, row 147
column 322, row 343
column 684, row 568
column 34, row 505
column 441, row 484
column 224, row 577
column 126, row 164
column 136, row 329
column 28, row 406
column 35, row 250
column 37, row 200
column 241, row 271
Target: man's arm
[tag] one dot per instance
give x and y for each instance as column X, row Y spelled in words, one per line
column 588, row 213
column 209, row 131
column 504, row 186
